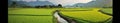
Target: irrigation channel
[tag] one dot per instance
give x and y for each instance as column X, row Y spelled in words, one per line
column 59, row 19
column 62, row 19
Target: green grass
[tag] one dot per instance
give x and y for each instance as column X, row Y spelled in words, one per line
column 30, row 19
column 32, row 11
column 92, row 15
column 43, row 15
column 107, row 10
column 30, row 15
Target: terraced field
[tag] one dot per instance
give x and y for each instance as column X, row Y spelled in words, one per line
column 30, row 19
column 88, row 16
column 30, row 15
column 43, row 15
column 107, row 10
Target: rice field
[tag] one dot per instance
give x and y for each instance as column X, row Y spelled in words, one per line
column 107, row 10
column 30, row 19
column 30, row 15
column 32, row 11
column 88, row 15
column 43, row 15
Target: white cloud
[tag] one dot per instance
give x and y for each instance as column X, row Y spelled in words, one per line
column 42, row 0
column 16, row 0
column 25, row 0
column 70, row 2
column 29, row 0
column 63, row 2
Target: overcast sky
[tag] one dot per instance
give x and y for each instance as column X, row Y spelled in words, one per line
column 63, row 2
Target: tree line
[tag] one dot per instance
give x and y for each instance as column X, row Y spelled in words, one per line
column 50, row 6
column 15, row 5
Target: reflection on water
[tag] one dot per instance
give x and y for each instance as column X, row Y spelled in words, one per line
column 60, row 20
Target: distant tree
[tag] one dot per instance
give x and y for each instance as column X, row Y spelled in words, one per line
column 48, row 6
column 59, row 5
column 77, row 5
column 14, row 4
column 24, row 5
column 37, row 6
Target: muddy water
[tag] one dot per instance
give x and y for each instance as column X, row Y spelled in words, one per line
column 59, row 19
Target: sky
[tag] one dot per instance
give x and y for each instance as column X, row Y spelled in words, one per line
column 63, row 2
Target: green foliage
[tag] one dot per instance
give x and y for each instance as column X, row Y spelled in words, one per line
column 90, row 15
column 30, row 15
column 29, row 19
column 59, row 5
column 33, row 15
column 107, row 10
